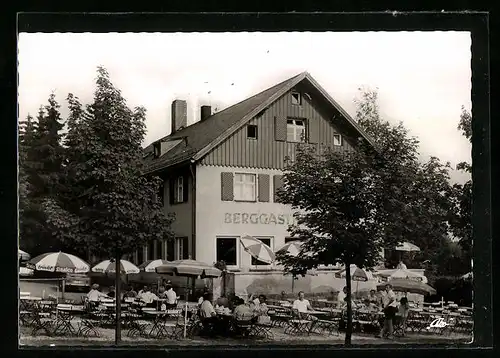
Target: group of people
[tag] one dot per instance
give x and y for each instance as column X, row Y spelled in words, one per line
column 386, row 302
column 165, row 293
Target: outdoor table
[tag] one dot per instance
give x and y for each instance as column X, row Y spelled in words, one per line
column 26, row 302
column 298, row 326
column 158, row 327
column 64, row 314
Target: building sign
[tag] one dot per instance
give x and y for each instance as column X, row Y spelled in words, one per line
column 259, row 218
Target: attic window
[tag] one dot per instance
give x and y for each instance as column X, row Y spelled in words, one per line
column 296, row 98
column 337, row 140
column 252, row 131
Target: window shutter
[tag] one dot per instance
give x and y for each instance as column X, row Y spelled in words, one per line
column 263, row 187
column 280, row 129
column 227, row 186
column 185, row 188
column 171, row 191
column 185, row 248
column 313, row 131
column 277, row 183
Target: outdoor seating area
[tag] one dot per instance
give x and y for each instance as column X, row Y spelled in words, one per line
column 88, row 319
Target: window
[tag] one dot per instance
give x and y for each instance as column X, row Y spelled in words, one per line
column 244, row 187
column 226, row 250
column 296, row 98
column 337, row 139
column 266, row 241
column 295, row 130
column 252, row 131
column 182, row 248
column 179, row 190
column 171, row 250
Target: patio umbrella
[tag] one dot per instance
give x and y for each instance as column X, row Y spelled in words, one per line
column 58, row 262
column 151, row 265
column 257, row 249
column 292, row 248
column 189, row 269
column 357, row 274
column 411, row 286
column 404, row 274
column 407, row 246
column 23, row 255
column 109, row 266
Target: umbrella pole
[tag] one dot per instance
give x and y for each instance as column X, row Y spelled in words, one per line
column 185, row 311
column 117, row 298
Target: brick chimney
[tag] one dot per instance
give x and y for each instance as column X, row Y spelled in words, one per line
column 179, row 115
column 206, row 111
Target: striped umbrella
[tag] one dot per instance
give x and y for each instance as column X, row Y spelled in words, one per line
column 23, row 255
column 357, row 274
column 58, row 262
column 189, row 268
column 407, row 246
column 151, row 265
column 402, row 285
column 108, row 266
column 404, row 274
column 257, row 249
column 292, row 248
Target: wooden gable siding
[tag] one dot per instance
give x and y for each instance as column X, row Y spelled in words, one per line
column 265, row 151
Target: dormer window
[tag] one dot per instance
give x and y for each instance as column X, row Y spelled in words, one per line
column 337, row 140
column 251, row 131
column 296, row 98
column 156, row 150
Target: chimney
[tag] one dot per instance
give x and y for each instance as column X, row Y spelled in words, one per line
column 206, row 111
column 179, row 115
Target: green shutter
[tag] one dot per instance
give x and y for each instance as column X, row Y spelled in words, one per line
column 227, row 187
column 263, row 181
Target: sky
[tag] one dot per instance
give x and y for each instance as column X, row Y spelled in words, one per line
column 423, row 78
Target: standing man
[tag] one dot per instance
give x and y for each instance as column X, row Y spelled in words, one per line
column 390, row 308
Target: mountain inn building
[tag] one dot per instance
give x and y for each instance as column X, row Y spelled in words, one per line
column 221, row 174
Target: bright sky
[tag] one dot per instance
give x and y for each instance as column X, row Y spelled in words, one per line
column 423, row 78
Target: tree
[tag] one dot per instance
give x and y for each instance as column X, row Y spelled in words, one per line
column 107, row 205
column 460, row 214
column 341, row 214
column 425, row 186
column 41, row 156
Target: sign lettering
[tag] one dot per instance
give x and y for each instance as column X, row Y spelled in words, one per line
column 259, row 218
column 438, row 323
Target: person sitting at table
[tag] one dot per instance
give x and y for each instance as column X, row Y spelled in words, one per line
column 302, row 305
column 222, row 301
column 129, row 292
column 242, row 311
column 401, row 266
column 373, row 297
column 148, row 297
column 111, row 292
column 260, row 305
column 94, row 294
column 142, row 291
column 343, row 304
column 208, row 315
column 161, row 293
column 171, row 297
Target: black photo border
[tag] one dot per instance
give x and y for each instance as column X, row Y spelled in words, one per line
column 477, row 23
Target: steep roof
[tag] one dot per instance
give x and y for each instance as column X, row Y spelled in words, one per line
column 201, row 137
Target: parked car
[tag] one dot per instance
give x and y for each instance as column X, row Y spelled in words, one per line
column 77, row 282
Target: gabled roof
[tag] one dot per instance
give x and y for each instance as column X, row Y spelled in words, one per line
column 203, row 136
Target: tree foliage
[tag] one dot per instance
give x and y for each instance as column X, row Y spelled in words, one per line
column 460, row 214
column 106, row 205
column 40, row 162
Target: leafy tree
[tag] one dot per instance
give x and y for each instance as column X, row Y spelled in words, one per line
column 341, row 213
column 460, row 215
column 107, row 205
column 41, row 156
column 424, row 186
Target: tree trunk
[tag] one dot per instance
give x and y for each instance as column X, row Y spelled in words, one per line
column 348, row 331
column 118, row 331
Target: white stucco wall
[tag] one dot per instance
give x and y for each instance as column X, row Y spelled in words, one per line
column 217, row 218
